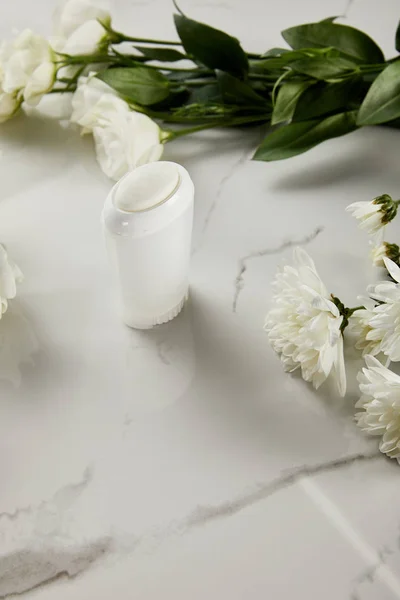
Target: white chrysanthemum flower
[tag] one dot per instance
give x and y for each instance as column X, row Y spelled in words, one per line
column 367, row 340
column 304, row 326
column 383, row 320
column 380, row 404
column 378, row 253
column 10, row 275
column 375, row 214
column 385, row 249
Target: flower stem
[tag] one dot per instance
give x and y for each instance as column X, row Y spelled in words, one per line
column 62, row 90
column 344, row 312
column 85, row 59
column 172, row 135
column 263, row 77
column 195, row 82
column 118, row 37
column 350, row 311
column 180, row 69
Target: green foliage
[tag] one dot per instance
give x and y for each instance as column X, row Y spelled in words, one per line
column 287, row 99
column 348, row 40
column 382, row 102
column 332, row 80
column 297, row 138
column 139, row 84
column 237, row 92
column 324, row 67
column 211, row 47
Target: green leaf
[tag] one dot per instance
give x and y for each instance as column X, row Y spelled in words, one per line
column 237, row 92
column 273, row 52
column 278, row 62
column 286, row 101
column 176, row 98
column 141, row 85
column 324, row 68
column 268, row 64
column 297, row 138
column 212, row 47
column 206, row 94
column 179, row 76
column 325, row 98
column 382, row 102
column 397, row 38
column 329, row 19
column 161, row 54
column 349, row 41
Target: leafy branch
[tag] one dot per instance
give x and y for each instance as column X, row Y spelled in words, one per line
column 332, row 80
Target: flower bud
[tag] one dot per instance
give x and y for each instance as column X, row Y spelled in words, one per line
column 375, row 214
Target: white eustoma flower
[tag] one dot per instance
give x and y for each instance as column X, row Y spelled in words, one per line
column 87, row 39
column 304, row 326
column 384, row 319
column 10, row 275
column 375, row 214
column 28, row 68
column 77, row 28
column 380, row 405
column 94, row 100
column 40, row 82
column 9, row 105
column 125, row 140
column 74, row 13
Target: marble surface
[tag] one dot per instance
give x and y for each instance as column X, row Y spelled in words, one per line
column 182, row 463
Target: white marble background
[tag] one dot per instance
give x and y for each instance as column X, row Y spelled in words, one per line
column 182, row 463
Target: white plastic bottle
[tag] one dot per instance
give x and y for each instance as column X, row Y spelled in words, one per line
column 148, row 218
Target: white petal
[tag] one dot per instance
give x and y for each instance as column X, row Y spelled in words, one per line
column 74, row 13
column 301, row 257
column 371, row 361
column 86, row 39
column 9, row 105
column 340, row 368
column 393, row 269
column 40, row 82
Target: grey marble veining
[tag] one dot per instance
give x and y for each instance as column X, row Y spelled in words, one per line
column 242, row 265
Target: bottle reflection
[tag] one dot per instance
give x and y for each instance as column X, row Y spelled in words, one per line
column 18, row 343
